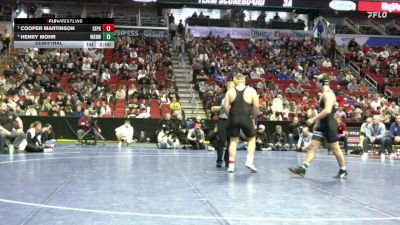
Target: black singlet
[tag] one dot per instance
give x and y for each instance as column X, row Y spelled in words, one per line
column 328, row 126
column 240, row 116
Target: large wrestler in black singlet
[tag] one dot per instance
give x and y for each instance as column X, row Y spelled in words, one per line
column 328, row 126
column 240, row 116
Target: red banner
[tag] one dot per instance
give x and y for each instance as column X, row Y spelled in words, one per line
column 390, row 7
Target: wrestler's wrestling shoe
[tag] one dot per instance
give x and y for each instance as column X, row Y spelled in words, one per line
column 298, row 170
column 252, row 168
column 342, row 174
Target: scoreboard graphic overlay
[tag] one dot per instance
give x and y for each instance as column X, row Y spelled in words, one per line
column 64, row 33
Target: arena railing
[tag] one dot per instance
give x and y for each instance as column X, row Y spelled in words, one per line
column 112, row 12
column 396, row 23
column 355, row 69
column 328, row 33
column 188, row 76
column 126, row 20
column 380, row 27
column 38, row 13
column 340, row 57
column 353, row 25
column 84, row 12
column 371, row 82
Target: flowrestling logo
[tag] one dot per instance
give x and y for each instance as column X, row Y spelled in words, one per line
column 379, row 15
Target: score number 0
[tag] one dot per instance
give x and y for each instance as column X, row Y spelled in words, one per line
column 108, row 27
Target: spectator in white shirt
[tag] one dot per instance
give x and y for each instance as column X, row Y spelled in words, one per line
column 340, row 113
column 304, row 140
column 2, row 80
column 393, row 65
column 254, row 75
column 352, row 86
column 105, row 109
column 327, row 63
column 384, row 54
column 259, row 71
column 133, row 54
column 143, row 114
column 142, row 74
column 31, row 111
column 105, row 76
column 312, row 111
column 124, row 133
column 277, row 104
column 203, row 56
column 86, row 66
column 87, row 59
column 376, row 102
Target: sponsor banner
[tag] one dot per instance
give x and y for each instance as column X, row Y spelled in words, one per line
column 353, row 137
column 391, row 7
column 246, row 33
column 373, row 41
column 152, row 32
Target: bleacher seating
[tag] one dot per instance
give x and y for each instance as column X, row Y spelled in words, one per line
column 261, row 57
column 81, row 85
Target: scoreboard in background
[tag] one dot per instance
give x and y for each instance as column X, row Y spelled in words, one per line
column 64, row 33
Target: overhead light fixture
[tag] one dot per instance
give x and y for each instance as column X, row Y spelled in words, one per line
column 45, row 10
column 344, row 5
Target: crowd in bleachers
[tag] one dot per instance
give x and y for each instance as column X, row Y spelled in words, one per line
column 128, row 81
column 136, row 78
column 4, row 44
column 284, row 73
column 382, row 64
column 5, row 11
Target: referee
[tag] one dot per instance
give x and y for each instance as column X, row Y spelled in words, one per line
column 222, row 126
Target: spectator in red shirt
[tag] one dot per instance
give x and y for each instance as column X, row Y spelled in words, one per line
column 86, row 124
column 342, row 133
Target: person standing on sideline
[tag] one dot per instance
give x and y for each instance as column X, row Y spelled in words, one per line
column 325, row 128
column 222, row 130
column 242, row 107
column 294, row 132
column 124, row 133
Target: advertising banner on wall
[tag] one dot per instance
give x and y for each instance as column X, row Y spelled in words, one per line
column 132, row 31
column 379, row 6
column 246, row 33
column 353, row 137
column 370, row 40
